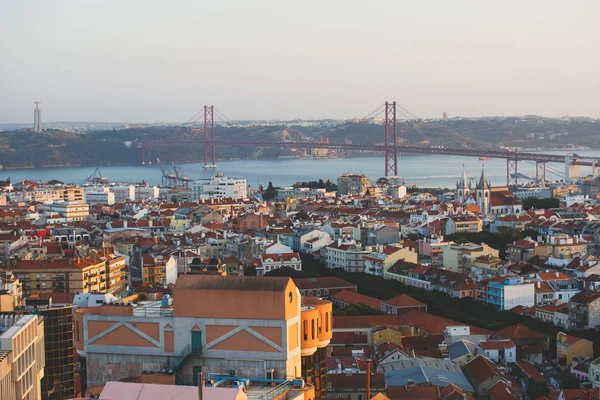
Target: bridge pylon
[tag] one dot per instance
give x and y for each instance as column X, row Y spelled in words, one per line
column 209, row 136
column 391, row 140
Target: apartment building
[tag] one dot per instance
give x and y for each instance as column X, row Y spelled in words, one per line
column 219, row 187
column 459, row 257
column 271, row 261
column 348, row 256
column 22, row 357
column 463, row 223
column 49, row 193
column 245, row 327
column 98, row 272
column 159, row 270
column 378, row 261
column 584, row 310
column 353, row 184
column 70, row 211
column 510, row 293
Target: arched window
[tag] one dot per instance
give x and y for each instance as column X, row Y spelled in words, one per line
column 305, row 329
column 326, row 322
column 312, row 328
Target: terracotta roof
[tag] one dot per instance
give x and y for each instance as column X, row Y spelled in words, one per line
column 519, row 331
column 404, row 300
column 341, row 382
column 553, row 276
column 322, row 282
column 501, row 391
column 347, row 296
column 497, row 344
column 365, row 321
column 581, row 394
column 211, row 282
column 479, row 369
column 531, row 371
column 585, row 297
column 413, row 392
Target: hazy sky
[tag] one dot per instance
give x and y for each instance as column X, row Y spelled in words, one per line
column 163, row 60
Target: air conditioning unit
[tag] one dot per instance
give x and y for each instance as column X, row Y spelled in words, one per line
column 232, row 372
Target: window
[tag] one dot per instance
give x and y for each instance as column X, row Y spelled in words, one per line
column 326, row 322
column 291, row 297
column 312, row 328
column 305, row 329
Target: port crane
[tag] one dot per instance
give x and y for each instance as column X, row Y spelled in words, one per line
column 174, row 177
column 97, row 178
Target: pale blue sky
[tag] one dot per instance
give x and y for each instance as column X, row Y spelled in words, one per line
column 163, row 60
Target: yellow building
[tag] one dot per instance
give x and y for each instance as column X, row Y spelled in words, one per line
column 22, row 359
column 569, row 347
column 460, row 257
column 387, row 334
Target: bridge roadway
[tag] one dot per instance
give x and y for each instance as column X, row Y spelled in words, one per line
column 405, row 148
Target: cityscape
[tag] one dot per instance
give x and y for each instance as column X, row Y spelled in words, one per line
column 233, row 201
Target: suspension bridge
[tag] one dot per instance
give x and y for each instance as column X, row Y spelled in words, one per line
column 389, row 114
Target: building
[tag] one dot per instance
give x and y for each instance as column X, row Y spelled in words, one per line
column 21, row 357
column 521, row 250
column 59, row 373
column 270, row 262
column 460, row 257
column 594, row 373
column 463, row 223
column 510, row 293
column 499, row 351
column 219, row 187
column 323, row 286
column 348, row 256
column 353, row 184
column 123, row 193
column 379, row 261
column 69, row 210
column 159, row 270
column 99, row 272
column 100, row 197
column 584, row 310
column 569, row 347
column 213, row 326
column 401, row 304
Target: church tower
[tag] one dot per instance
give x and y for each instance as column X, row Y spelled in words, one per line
column 483, row 194
column 463, row 189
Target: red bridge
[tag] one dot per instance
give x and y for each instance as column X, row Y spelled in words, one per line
column 390, row 148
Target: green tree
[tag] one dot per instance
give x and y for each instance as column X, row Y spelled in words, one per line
column 270, row 193
column 537, row 389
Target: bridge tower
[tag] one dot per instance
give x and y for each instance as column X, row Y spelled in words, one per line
column 512, row 168
column 209, row 136
column 391, row 140
column 540, row 174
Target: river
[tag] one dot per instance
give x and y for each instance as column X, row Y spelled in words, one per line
column 422, row 170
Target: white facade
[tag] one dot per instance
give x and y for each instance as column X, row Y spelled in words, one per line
column 100, row 198
column 69, row 210
column 271, row 262
column 344, row 255
column 314, row 241
column 146, row 192
column 218, row 187
column 519, row 295
column 123, row 193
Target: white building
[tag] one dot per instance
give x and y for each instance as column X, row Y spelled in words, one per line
column 499, row 351
column 100, row 197
column 346, row 255
column 146, row 192
column 271, row 262
column 69, row 210
column 218, row 187
column 123, row 193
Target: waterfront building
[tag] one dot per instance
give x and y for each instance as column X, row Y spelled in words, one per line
column 123, row 193
column 22, row 357
column 219, row 187
column 99, row 197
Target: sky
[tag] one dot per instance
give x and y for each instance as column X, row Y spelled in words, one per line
column 162, row 61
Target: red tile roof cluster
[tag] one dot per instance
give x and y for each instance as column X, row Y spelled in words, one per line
column 349, row 297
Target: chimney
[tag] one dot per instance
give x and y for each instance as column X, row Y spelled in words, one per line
column 409, row 384
column 556, row 273
column 200, row 386
column 539, row 284
column 369, row 379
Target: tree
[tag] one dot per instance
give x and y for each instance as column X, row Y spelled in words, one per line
column 382, row 181
column 250, row 270
column 570, row 381
column 537, row 389
column 270, row 193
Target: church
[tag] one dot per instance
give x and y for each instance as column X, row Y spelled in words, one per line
column 496, row 200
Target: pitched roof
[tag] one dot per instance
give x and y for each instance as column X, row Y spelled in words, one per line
column 403, row 300
column 347, row 296
column 519, row 331
column 322, row 282
column 412, row 392
column 479, row 369
column 501, row 391
column 496, row 344
column 212, row 282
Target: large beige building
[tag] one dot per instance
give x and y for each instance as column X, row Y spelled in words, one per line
column 460, row 257
column 22, row 357
column 47, row 194
column 69, row 210
column 244, row 327
column 102, row 271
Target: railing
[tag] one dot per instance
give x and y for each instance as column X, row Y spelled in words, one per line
column 276, row 391
column 187, row 350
